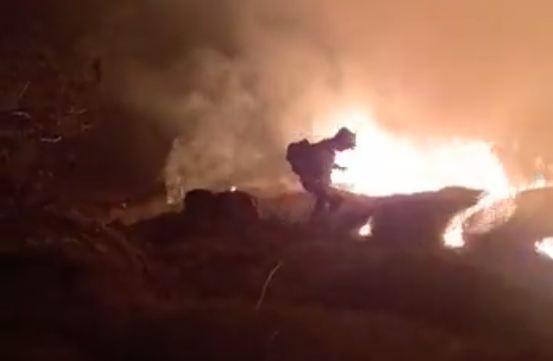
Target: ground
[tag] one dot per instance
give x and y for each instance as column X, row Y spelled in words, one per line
column 86, row 291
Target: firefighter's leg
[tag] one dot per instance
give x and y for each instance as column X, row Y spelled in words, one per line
column 321, row 202
column 328, row 195
column 320, row 207
column 334, row 200
column 313, row 186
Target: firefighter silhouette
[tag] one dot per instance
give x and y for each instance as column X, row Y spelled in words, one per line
column 314, row 163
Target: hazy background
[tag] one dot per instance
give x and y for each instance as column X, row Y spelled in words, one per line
column 209, row 92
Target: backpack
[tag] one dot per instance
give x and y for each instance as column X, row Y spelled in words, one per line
column 298, row 155
column 310, row 160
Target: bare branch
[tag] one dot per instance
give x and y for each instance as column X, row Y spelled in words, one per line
column 22, row 92
column 266, row 285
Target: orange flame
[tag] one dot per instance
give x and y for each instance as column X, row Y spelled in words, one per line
column 384, row 164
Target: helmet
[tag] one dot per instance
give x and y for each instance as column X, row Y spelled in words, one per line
column 345, row 139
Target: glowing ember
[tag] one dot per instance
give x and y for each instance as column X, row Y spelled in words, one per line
column 545, row 247
column 366, row 230
column 233, row 189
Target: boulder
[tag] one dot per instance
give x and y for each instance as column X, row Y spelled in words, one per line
column 237, row 207
column 200, row 205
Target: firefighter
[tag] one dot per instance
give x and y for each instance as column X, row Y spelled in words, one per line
column 314, row 163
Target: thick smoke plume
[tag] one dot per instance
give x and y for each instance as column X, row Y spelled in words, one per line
column 232, row 82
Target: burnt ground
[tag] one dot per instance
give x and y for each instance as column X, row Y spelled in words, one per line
column 169, row 289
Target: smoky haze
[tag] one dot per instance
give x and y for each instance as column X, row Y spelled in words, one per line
column 232, row 82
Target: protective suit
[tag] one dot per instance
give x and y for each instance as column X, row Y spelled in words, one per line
column 313, row 163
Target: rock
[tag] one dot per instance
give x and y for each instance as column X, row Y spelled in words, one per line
column 200, row 205
column 237, row 207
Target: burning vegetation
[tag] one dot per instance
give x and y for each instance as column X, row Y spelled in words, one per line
column 147, row 210
column 383, row 164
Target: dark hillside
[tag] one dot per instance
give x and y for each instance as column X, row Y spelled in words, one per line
column 82, row 291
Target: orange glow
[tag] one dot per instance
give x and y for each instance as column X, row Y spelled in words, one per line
column 384, row 164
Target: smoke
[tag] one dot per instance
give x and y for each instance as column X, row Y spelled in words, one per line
column 233, row 97
column 234, row 81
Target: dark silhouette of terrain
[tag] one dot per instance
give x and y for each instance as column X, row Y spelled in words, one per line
column 169, row 289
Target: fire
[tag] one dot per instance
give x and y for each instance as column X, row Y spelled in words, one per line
column 496, row 209
column 545, row 247
column 384, row 164
column 366, row 230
